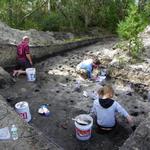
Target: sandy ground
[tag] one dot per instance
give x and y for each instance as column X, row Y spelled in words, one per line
column 55, row 85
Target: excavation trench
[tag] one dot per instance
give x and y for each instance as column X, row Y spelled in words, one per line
column 55, row 86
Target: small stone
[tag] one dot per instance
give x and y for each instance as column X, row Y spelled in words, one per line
column 23, row 90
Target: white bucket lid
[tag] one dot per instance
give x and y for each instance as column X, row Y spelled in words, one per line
column 84, row 118
column 21, row 104
column 30, row 69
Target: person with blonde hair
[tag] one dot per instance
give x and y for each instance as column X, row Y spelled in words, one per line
column 105, row 109
column 24, row 59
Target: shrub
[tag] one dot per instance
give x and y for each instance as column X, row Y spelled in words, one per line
column 51, row 22
column 136, row 47
column 147, row 11
column 134, row 23
column 129, row 29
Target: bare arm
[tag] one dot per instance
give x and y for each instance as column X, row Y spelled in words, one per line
column 122, row 111
column 29, row 58
column 130, row 120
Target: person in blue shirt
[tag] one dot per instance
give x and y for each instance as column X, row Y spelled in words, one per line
column 85, row 68
column 105, row 109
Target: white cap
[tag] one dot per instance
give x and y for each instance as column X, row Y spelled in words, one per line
column 25, row 37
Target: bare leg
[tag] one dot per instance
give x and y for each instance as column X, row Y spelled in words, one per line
column 15, row 73
column 20, row 72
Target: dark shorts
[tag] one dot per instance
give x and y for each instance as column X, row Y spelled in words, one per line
column 23, row 65
column 103, row 130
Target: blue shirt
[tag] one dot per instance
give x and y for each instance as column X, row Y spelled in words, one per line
column 106, row 117
column 87, row 65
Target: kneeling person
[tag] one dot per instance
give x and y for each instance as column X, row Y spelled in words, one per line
column 24, row 59
column 85, row 68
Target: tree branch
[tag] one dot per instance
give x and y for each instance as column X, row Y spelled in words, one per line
column 29, row 14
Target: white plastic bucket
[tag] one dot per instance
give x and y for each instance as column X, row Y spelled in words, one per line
column 83, row 132
column 31, row 74
column 22, row 108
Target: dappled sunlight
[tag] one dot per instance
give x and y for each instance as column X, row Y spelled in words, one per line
column 58, row 72
column 109, row 52
column 123, row 88
column 63, row 70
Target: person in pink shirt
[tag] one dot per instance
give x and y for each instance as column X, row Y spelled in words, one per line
column 24, row 59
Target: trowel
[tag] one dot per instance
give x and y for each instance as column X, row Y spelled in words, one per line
column 82, row 122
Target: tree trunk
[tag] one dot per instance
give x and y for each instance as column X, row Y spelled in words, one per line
column 142, row 4
column 49, row 6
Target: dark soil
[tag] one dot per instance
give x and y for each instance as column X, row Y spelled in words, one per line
column 57, row 90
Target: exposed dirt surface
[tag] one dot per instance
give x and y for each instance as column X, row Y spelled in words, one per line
column 55, row 85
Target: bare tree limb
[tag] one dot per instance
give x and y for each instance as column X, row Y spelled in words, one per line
column 29, row 14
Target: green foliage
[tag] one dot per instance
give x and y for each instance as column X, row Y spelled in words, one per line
column 147, row 10
column 122, row 61
column 76, row 15
column 30, row 24
column 129, row 29
column 110, row 12
column 52, row 22
column 110, row 15
column 135, row 47
column 66, row 15
column 122, row 45
column 134, row 23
